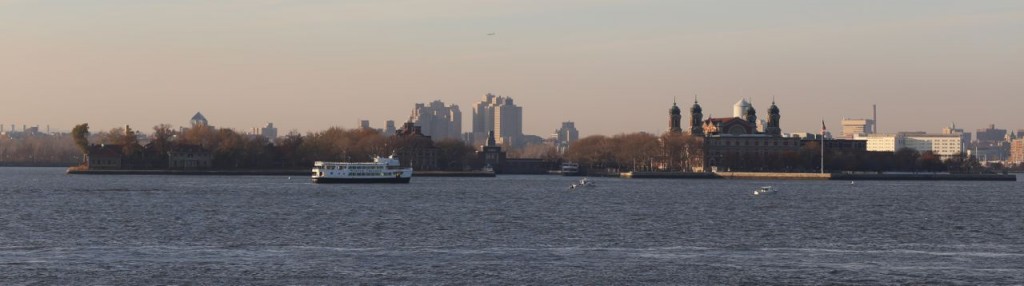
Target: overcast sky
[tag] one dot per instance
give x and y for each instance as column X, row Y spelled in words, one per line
column 610, row 66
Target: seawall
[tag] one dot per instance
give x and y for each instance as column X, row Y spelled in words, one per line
column 294, row 173
column 479, row 174
column 773, row 176
column 668, row 175
column 194, row 172
column 925, row 177
column 819, row 176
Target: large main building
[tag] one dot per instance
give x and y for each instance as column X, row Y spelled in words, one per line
column 736, row 141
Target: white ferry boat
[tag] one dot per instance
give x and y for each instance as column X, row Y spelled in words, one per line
column 570, row 169
column 381, row 170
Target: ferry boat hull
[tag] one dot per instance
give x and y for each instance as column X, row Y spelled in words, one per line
column 396, row 180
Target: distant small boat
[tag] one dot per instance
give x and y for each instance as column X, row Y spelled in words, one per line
column 583, row 183
column 570, row 169
column 765, row 190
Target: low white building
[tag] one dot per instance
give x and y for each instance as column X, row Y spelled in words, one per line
column 944, row 145
column 883, row 142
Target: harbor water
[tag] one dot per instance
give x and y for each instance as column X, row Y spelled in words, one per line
column 149, row 229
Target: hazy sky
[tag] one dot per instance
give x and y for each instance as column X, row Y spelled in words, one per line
column 610, row 66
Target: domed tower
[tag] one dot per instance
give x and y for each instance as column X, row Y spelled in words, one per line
column 696, row 119
column 751, row 116
column 740, row 108
column 772, row 126
column 674, row 119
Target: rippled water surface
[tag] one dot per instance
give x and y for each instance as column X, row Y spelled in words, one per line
column 80, row 229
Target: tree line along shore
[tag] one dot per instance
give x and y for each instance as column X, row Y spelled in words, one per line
column 227, row 149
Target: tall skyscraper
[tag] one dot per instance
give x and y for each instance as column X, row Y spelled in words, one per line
column 389, row 128
column 565, row 136
column 438, row 121
column 501, row 115
column 483, row 119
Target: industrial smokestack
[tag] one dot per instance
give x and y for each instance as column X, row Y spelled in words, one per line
column 874, row 117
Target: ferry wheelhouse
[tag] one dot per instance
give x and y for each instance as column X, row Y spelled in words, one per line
column 381, row 170
column 570, row 169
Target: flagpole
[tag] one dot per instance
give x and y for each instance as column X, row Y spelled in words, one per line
column 822, row 146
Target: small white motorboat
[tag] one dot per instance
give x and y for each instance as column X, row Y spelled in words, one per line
column 583, row 183
column 765, row 190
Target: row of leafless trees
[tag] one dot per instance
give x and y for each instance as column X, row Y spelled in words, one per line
column 638, row 152
column 233, row 150
column 38, row 150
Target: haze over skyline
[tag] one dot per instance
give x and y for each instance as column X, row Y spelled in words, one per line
column 610, row 66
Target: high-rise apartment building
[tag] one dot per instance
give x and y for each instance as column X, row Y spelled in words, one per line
column 1017, row 151
column 565, row 136
column 501, row 115
column 991, row 135
column 389, row 128
column 269, row 131
column 363, row 124
column 437, row 120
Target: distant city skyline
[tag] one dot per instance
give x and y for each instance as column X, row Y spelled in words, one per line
column 609, row 66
